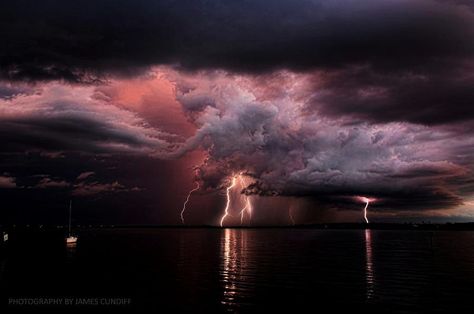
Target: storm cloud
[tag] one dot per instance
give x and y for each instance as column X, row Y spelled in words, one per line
column 292, row 152
column 78, row 40
column 377, row 59
column 322, row 100
column 435, row 96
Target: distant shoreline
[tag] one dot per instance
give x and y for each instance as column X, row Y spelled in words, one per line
column 329, row 226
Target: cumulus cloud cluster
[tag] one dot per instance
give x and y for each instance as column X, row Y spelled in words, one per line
column 289, row 150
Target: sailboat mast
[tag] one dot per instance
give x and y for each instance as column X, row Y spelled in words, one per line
column 70, row 209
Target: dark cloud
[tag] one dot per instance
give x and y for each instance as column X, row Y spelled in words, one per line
column 378, row 59
column 83, row 40
column 125, row 189
column 92, row 188
column 85, row 175
column 439, row 95
column 82, row 186
column 48, row 183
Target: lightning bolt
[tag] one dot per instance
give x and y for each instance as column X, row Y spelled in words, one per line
column 367, row 201
column 365, row 210
column 187, row 200
column 242, row 213
column 226, row 209
column 290, row 215
column 248, row 205
column 246, row 199
column 247, row 209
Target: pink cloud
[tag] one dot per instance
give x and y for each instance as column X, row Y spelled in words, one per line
column 7, row 182
column 85, row 175
column 153, row 98
column 60, row 117
column 87, row 189
column 47, row 183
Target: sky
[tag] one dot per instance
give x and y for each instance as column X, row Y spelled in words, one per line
column 271, row 112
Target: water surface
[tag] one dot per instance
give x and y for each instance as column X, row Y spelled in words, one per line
column 247, row 270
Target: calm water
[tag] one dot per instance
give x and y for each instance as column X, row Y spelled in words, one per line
column 245, row 270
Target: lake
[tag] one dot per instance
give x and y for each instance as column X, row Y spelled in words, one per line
column 174, row 270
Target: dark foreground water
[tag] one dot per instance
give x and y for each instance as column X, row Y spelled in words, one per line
column 241, row 270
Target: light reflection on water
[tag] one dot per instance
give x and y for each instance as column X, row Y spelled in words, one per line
column 235, row 256
column 369, row 265
column 71, row 250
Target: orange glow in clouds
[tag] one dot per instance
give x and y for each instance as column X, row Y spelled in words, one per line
column 153, row 98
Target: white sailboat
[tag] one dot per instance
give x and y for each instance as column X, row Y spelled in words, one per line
column 70, row 239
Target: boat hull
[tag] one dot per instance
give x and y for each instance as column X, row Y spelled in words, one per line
column 70, row 240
